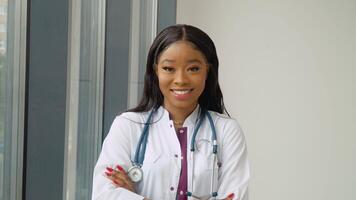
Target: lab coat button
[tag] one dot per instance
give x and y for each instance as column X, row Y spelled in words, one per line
column 176, row 155
column 172, row 188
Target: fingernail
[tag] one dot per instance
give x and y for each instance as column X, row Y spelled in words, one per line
column 117, row 183
column 109, row 169
column 120, row 168
column 108, row 173
column 231, row 195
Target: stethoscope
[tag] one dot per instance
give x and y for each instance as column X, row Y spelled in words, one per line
column 136, row 174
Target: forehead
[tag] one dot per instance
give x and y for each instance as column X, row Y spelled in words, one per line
column 181, row 51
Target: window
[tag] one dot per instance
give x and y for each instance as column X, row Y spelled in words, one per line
column 12, row 84
column 85, row 96
column 3, row 93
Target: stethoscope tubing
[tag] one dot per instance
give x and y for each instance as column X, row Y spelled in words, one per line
column 215, row 150
column 141, row 149
column 140, row 153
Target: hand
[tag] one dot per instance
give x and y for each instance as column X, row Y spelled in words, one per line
column 119, row 178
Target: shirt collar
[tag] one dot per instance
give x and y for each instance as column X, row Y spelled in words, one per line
column 189, row 121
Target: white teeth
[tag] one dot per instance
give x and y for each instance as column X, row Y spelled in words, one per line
column 181, row 91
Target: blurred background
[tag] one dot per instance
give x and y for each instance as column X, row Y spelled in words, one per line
column 287, row 72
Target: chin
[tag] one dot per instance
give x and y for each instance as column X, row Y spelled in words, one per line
column 184, row 105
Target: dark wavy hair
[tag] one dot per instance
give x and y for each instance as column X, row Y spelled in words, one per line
column 211, row 98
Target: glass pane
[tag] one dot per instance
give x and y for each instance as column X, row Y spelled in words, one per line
column 90, row 97
column 4, row 104
column 12, row 92
column 86, row 96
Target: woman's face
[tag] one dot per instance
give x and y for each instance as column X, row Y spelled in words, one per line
column 181, row 71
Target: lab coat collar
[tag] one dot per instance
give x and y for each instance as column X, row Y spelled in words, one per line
column 189, row 121
column 193, row 117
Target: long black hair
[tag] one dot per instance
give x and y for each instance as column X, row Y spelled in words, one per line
column 211, row 98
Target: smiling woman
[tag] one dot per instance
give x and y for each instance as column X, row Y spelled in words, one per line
column 194, row 149
column 181, row 71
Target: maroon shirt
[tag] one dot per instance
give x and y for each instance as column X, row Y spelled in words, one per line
column 183, row 180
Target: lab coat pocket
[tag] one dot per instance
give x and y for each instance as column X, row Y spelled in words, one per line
column 205, row 174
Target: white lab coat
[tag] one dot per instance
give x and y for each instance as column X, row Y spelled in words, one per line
column 162, row 163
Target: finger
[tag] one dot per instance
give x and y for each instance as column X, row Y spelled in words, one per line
column 118, row 183
column 111, row 175
column 127, row 180
column 109, row 169
column 108, row 174
column 120, row 169
column 116, row 179
column 119, row 175
column 230, row 197
column 114, row 175
column 124, row 177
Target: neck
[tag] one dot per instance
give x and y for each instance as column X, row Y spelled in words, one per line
column 178, row 115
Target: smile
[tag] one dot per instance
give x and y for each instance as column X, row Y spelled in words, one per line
column 181, row 91
column 182, row 94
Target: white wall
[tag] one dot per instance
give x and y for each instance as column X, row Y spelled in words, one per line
column 288, row 74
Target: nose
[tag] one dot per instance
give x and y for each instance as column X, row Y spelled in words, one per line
column 181, row 78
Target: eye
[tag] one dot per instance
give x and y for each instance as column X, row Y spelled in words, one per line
column 194, row 68
column 168, row 69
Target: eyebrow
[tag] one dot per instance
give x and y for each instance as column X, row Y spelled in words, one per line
column 194, row 60
column 189, row 61
column 167, row 60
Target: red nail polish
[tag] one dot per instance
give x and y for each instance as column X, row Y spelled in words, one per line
column 120, row 168
column 117, row 183
column 109, row 169
column 231, row 195
column 108, row 173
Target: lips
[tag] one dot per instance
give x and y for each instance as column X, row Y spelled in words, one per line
column 182, row 94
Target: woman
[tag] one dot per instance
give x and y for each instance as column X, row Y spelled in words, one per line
column 181, row 114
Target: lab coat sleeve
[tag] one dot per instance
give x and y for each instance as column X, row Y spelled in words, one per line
column 234, row 173
column 115, row 150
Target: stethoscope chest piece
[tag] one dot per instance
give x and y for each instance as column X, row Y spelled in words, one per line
column 135, row 173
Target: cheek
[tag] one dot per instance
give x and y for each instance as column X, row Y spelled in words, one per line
column 163, row 83
column 200, row 83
